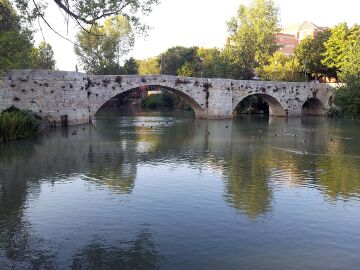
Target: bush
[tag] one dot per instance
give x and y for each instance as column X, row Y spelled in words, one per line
column 17, row 124
column 347, row 101
column 157, row 101
column 347, row 97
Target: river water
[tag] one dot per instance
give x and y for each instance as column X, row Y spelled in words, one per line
column 167, row 191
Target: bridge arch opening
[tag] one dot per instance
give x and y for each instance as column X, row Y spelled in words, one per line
column 142, row 93
column 313, row 107
column 260, row 104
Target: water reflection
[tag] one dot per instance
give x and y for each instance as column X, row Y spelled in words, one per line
column 256, row 162
column 139, row 254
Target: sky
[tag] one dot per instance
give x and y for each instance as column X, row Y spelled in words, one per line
column 198, row 23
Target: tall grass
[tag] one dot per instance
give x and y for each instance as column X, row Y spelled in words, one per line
column 17, row 124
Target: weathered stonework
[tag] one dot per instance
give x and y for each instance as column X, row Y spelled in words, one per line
column 70, row 98
column 6, row 94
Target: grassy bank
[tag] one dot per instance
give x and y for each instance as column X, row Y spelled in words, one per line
column 17, row 124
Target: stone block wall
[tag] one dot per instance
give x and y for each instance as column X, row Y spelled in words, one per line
column 58, row 97
column 70, row 98
column 6, row 94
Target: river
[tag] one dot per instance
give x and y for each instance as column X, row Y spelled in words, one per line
column 163, row 190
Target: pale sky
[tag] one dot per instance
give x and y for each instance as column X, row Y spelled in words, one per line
column 200, row 23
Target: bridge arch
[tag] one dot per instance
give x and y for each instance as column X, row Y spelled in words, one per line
column 275, row 107
column 313, row 107
column 98, row 97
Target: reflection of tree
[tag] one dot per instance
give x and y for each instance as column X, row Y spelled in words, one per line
column 339, row 175
column 19, row 247
column 247, row 183
column 138, row 254
column 14, row 151
column 249, row 191
column 119, row 176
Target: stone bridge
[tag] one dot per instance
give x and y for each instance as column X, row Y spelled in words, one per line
column 70, row 98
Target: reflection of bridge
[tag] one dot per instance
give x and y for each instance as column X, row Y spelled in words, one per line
column 74, row 98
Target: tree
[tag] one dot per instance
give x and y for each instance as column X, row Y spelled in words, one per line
column 350, row 72
column 187, row 70
column 240, row 62
column 43, row 56
column 130, row 67
column 281, row 68
column 335, row 54
column 88, row 12
column 100, row 51
column 172, row 59
column 310, row 54
column 207, row 62
column 347, row 97
column 149, row 66
column 15, row 40
column 213, row 63
column 252, row 34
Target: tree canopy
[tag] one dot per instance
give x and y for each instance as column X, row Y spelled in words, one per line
column 100, row 52
column 149, row 66
column 15, row 40
column 172, row 59
column 347, row 97
column 88, row 12
column 310, row 53
column 43, row 56
column 252, row 34
column 17, row 50
column 130, row 67
column 335, row 54
column 281, row 68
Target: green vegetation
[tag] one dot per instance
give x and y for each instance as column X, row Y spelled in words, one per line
column 86, row 13
column 310, row 54
column 17, row 124
column 252, row 35
column 347, row 97
column 15, row 40
column 281, row 68
column 100, row 51
column 108, row 34
column 43, row 56
column 336, row 54
column 130, row 67
column 17, row 50
column 149, row 66
column 157, row 101
column 174, row 58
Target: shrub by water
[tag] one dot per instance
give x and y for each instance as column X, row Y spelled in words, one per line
column 17, row 124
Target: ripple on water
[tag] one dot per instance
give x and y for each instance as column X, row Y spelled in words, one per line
column 183, row 195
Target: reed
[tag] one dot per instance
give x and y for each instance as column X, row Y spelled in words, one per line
column 17, row 124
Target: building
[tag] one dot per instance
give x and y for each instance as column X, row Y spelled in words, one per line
column 287, row 43
column 290, row 36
